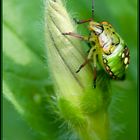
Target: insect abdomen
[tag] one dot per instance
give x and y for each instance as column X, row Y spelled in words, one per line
column 116, row 63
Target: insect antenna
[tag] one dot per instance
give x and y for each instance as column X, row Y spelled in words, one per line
column 92, row 9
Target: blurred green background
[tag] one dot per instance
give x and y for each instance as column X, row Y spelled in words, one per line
column 26, row 20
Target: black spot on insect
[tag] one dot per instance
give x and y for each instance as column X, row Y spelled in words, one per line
column 107, row 53
column 94, row 50
column 117, row 43
column 113, row 32
column 107, row 28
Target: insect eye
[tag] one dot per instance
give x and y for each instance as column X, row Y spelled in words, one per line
column 100, row 27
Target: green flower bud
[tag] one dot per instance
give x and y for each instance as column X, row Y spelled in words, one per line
column 78, row 103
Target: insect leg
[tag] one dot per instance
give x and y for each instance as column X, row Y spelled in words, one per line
column 88, row 46
column 82, row 21
column 92, row 53
column 76, row 35
column 87, row 59
column 87, row 20
column 81, row 66
column 94, row 70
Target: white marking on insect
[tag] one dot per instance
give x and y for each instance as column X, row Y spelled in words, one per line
column 110, row 73
column 107, row 68
column 126, row 60
column 123, row 55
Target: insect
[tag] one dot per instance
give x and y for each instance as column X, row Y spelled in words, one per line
column 106, row 46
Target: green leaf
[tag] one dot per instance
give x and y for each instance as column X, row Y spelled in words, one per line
column 26, row 79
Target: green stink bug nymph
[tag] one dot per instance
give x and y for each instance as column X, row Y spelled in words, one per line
column 107, row 46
